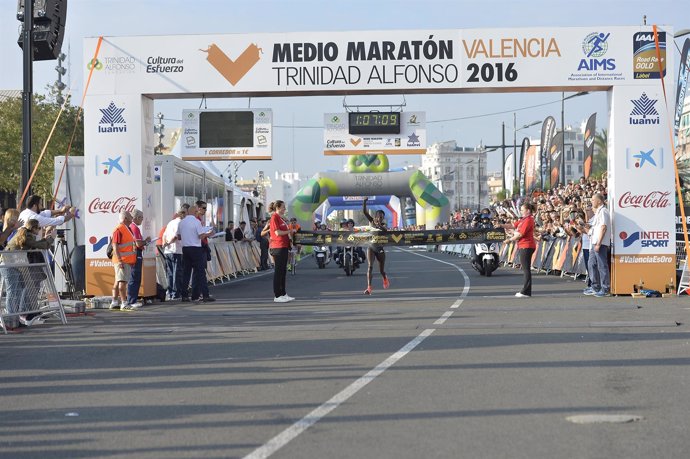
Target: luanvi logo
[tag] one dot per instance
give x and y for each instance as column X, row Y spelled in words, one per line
column 233, row 70
column 644, row 111
column 112, row 120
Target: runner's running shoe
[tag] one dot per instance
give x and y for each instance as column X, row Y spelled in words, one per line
column 368, row 291
column 386, row 282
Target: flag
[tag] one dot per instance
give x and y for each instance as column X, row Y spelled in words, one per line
column 682, row 86
column 547, row 131
column 590, row 131
column 523, row 151
column 508, row 173
column 531, row 169
column 556, row 157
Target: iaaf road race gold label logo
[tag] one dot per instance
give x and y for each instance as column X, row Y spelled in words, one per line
column 233, row 70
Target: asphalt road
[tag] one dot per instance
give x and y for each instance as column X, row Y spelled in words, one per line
column 443, row 364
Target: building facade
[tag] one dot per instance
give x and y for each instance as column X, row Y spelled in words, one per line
column 459, row 172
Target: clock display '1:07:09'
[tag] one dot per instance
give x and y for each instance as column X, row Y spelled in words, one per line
column 374, row 123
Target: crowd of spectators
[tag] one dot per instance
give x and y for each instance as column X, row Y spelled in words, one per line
column 560, row 211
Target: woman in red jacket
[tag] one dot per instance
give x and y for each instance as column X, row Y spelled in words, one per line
column 524, row 235
column 278, row 247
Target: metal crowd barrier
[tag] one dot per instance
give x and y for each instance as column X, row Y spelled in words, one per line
column 27, row 288
column 228, row 260
column 563, row 255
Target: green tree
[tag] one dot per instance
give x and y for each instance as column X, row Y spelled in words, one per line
column 600, row 164
column 44, row 113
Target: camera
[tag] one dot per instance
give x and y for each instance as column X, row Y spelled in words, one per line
column 60, row 233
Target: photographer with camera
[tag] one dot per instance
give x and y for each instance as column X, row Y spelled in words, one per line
column 46, row 217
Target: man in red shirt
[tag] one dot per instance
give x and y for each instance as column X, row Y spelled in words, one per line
column 524, row 235
column 135, row 278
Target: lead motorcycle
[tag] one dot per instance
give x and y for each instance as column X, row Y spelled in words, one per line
column 322, row 255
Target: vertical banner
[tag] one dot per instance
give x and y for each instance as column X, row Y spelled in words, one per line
column 682, row 86
column 641, row 192
column 523, row 151
column 509, row 174
column 531, row 169
column 590, row 132
column 547, row 131
column 556, row 158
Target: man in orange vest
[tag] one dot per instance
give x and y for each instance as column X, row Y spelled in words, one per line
column 124, row 258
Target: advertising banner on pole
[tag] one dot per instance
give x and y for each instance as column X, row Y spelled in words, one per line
column 531, row 168
column 556, row 159
column 590, row 132
column 523, row 151
column 682, row 85
column 548, row 128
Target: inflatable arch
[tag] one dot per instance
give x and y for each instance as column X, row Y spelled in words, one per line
column 369, row 176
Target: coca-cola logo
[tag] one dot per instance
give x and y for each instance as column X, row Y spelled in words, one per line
column 652, row 200
column 97, row 206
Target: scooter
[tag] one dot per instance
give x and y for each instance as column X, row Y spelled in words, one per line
column 485, row 259
column 322, row 256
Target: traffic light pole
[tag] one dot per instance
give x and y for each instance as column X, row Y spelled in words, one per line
column 27, row 96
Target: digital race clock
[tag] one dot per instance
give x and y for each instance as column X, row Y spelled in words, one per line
column 374, row 123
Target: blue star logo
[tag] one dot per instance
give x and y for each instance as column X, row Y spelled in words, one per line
column 645, row 157
column 113, row 164
column 414, row 138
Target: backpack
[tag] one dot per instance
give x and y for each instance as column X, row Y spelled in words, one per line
column 109, row 249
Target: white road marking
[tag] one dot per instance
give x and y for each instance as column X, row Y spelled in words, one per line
column 443, row 318
column 292, row 432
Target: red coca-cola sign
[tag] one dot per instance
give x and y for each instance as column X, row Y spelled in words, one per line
column 653, row 200
column 117, row 205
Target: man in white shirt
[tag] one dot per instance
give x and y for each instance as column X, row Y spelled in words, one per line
column 599, row 253
column 191, row 232
column 46, row 217
column 172, row 250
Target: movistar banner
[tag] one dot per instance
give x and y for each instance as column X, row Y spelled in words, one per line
column 403, row 238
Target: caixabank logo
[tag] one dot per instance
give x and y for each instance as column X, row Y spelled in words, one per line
column 233, row 70
column 595, row 46
column 112, row 119
column 645, row 238
column 645, row 58
column 644, row 159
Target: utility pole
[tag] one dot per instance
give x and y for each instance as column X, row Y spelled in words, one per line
column 503, row 149
column 27, row 96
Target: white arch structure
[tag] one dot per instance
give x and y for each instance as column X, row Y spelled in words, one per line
column 126, row 74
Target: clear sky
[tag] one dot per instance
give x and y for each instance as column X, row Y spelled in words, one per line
column 302, row 146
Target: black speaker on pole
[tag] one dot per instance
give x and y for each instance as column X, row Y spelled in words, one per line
column 48, row 27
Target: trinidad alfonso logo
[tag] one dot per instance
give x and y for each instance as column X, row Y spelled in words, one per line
column 644, row 111
column 112, row 120
column 233, row 70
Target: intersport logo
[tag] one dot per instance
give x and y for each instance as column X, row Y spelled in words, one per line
column 112, row 207
column 653, row 200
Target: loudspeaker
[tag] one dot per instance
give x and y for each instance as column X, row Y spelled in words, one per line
column 48, row 30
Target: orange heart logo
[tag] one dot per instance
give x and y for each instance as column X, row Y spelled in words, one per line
column 355, row 142
column 233, row 71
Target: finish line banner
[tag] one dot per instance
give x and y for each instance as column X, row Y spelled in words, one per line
column 400, row 238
